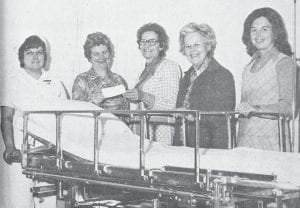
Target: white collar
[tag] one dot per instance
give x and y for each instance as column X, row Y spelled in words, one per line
column 43, row 78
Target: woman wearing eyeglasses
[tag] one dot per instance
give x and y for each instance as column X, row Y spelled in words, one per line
column 206, row 86
column 31, row 84
column 158, row 84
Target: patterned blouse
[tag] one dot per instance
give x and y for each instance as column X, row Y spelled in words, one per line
column 88, row 83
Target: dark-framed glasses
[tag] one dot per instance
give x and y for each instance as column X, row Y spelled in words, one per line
column 151, row 42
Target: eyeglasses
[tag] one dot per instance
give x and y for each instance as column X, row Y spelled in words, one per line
column 196, row 46
column 151, row 42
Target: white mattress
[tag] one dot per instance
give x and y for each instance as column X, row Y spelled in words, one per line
column 120, row 147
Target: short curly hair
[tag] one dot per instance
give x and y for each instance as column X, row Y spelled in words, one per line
column 96, row 39
column 163, row 38
column 204, row 30
column 280, row 35
column 32, row 41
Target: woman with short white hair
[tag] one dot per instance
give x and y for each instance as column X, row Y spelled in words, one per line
column 206, row 86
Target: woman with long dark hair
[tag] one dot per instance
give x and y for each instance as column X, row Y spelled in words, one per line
column 267, row 80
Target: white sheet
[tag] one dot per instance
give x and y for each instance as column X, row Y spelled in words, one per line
column 119, row 146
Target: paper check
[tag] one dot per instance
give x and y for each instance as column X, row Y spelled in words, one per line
column 113, row 91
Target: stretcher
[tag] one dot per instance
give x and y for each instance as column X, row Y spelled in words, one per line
column 149, row 174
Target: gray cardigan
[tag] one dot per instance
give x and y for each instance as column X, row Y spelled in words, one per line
column 213, row 90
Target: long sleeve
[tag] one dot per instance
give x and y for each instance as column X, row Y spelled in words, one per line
column 284, row 70
column 78, row 90
column 213, row 91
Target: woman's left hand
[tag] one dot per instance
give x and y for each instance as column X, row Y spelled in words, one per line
column 189, row 117
column 245, row 108
column 133, row 95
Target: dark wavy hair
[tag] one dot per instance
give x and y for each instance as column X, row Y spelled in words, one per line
column 163, row 38
column 278, row 28
column 96, row 39
column 32, row 41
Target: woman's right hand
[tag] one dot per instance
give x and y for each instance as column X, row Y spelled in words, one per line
column 97, row 98
column 11, row 155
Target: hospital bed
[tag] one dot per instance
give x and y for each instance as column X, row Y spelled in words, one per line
column 179, row 177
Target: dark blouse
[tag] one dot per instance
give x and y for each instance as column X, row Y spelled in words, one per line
column 212, row 90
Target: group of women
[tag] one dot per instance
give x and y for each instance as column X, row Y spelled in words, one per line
column 206, row 85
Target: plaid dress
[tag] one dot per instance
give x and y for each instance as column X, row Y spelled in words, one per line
column 164, row 85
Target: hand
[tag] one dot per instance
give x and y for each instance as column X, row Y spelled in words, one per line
column 189, row 117
column 97, row 97
column 11, row 155
column 245, row 108
column 133, row 95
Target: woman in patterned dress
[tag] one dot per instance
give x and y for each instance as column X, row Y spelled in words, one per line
column 99, row 51
column 158, row 83
column 267, row 82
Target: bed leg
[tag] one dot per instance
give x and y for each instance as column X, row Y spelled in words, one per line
column 59, row 193
column 69, row 198
column 279, row 202
column 61, row 204
column 155, row 203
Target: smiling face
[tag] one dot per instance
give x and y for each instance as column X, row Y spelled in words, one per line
column 100, row 57
column 196, row 48
column 34, row 59
column 149, row 46
column 261, row 34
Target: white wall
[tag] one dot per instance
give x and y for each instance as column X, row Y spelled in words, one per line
column 66, row 23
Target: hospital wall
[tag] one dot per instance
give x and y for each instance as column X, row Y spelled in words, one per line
column 66, row 23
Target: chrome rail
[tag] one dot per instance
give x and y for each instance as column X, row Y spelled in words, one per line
column 196, row 150
column 96, row 142
column 143, row 122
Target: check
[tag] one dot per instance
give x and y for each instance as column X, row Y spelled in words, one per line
column 113, row 91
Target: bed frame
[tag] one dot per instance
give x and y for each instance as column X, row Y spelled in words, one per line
column 77, row 182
